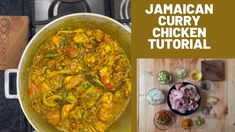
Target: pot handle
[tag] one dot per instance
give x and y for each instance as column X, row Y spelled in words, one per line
column 6, row 83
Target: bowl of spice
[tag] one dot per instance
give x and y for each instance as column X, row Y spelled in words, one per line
column 186, row 123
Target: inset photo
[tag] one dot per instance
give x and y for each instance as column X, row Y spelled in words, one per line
column 185, row 94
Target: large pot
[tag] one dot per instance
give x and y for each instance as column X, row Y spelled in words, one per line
column 83, row 20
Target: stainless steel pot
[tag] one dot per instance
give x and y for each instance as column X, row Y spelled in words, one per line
column 83, row 20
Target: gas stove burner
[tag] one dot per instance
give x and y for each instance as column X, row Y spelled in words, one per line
column 125, row 11
column 63, row 7
column 70, row 0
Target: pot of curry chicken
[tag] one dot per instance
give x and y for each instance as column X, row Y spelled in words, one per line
column 75, row 76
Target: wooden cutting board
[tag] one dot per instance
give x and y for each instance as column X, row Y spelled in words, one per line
column 13, row 40
column 213, row 70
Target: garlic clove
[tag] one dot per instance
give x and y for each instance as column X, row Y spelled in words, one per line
column 212, row 100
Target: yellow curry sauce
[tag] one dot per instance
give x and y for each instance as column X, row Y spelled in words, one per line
column 80, row 81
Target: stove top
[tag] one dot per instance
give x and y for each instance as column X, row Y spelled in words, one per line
column 41, row 12
column 49, row 10
column 12, row 118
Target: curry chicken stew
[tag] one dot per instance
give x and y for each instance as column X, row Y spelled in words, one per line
column 80, row 81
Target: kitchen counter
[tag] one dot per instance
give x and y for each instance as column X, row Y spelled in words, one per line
column 224, row 111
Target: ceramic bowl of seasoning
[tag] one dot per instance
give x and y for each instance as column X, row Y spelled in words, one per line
column 207, row 111
column 206, row 86
column 164, row 77
column 180, row 72
column 155, row 96
column 196, row 75
column 163, row 119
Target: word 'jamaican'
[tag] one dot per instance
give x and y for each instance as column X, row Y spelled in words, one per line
column 180, row 9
